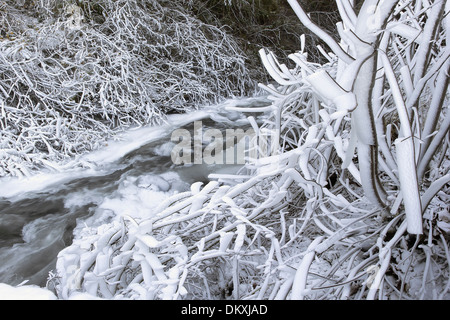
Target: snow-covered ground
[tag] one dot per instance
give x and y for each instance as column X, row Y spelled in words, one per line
column 25, row 292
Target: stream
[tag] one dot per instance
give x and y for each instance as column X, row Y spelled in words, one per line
column 40, row 216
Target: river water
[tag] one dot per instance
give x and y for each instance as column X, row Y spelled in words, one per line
column 39, row 216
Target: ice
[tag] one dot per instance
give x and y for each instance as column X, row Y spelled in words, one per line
column 136, row 197
column 14, row 186
column 132, row 139
column 153, row 181
column 165, row 149
column 136, row 200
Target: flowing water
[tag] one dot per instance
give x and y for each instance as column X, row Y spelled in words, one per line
column 38, row 222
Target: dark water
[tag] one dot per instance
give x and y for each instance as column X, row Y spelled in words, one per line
column 38, row 225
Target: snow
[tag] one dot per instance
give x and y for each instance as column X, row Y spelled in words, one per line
column 122, row 249
column 83, row 296
column 137, row 197
column 26, row 292
column 11, row 187
column 33, row 292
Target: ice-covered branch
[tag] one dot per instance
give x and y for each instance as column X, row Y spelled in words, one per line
column 303, row 17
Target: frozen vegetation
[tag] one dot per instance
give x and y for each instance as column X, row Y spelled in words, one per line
column 351, row 203
column 71, row 77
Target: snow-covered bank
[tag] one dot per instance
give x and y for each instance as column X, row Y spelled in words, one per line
column 25, row 292
column 33, row 292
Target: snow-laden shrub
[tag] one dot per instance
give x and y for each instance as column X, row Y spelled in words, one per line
column 313, row 219
column 71, row 73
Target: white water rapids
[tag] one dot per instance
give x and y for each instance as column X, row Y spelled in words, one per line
column 40, row 215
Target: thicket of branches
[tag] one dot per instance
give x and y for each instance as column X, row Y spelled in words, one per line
column 72, row 72
column 269, row 24
column 314, row 220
